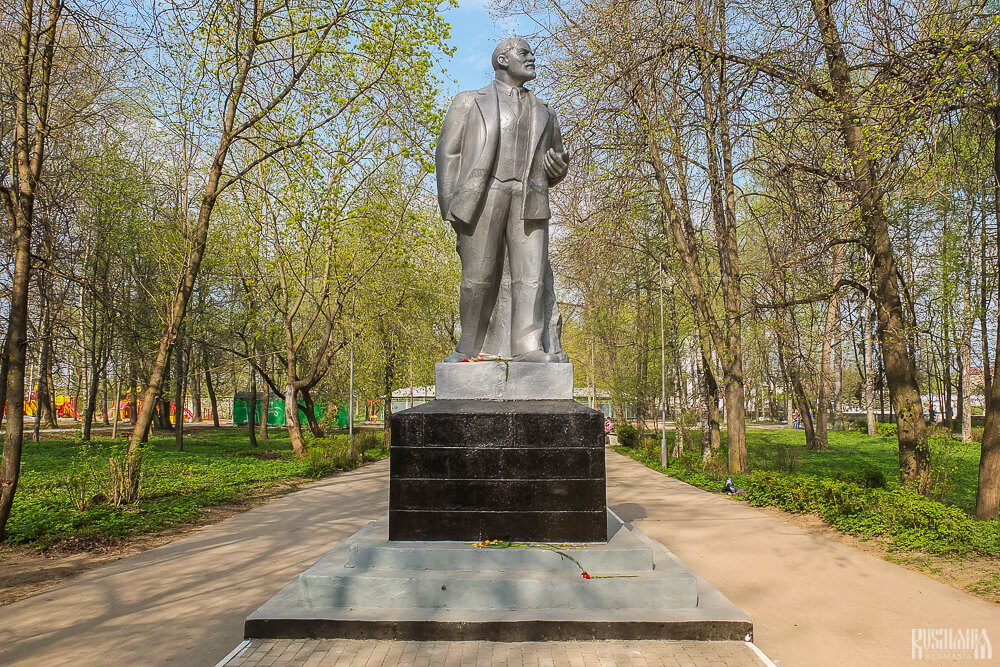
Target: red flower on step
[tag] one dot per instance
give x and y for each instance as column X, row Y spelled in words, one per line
column 585, row 575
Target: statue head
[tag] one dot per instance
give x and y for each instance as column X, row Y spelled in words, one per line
column 514, row 61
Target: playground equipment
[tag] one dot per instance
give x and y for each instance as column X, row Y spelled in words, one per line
column 65, row 405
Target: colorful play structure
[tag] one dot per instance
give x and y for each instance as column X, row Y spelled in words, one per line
column 66, row 408
column 124, row 409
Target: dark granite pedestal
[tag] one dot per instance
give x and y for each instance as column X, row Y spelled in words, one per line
column 471, row 470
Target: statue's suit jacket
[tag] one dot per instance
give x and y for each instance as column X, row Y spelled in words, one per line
column 467, row 152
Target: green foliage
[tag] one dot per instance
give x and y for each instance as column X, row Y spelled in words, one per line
column 80, row 484
column 370, row 445
column 330, row 454
column 335, row 453
column 852, row 486
column 986, row 586
column 686, row 469
column 886, row 430
column 628, row 436
column 778, row 456
column 68, row 490
column 866, row 477
column 905, row 518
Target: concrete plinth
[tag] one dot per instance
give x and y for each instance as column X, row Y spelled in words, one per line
column 369, row 587
column 503, row 381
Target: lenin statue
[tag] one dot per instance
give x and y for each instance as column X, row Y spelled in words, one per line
column 499, row 152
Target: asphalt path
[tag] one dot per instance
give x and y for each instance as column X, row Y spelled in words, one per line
column 813, row 601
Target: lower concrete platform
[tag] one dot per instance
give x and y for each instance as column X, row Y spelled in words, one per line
column 370, row 588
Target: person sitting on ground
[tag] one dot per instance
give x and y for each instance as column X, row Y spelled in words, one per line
column 730, row 488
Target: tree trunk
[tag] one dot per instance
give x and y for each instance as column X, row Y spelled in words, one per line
column 179, row 399
column 310, row 410
column 92, row 388
column 264, row 409
column 965, row 387
column 34, row 66
column 195, row 385
column 118, row 399
column 821, row 440
column 251, row 428
column 211, row 389
column 789, row 406
column 104, row 400
column 15, row 353
column 45, row 414
column 164, row 400
column 676, row 347
column 946, row 364
column 292, row 420
column 265, row 404
column 869, row 372
column 732, row 292
column 988, row 488
column 892, row 325
column 390, row 360
column 838, row 382
column 711, row 432
column 802, row 403
column 133, row 386
column 199, row 241
column 4, row 369
column 787, row 359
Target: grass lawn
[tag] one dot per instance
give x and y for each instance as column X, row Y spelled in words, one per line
column 956, row 465
column 854, row 487
column 936, row 536
column 62, row 492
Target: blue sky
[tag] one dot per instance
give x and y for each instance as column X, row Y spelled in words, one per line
column 474, row 34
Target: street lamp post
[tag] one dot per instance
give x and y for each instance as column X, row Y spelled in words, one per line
column 350, row 396
column 663, row 382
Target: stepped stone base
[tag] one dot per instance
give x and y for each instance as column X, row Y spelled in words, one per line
column 369, row 587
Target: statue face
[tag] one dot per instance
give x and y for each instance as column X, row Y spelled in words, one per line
column 520, row 62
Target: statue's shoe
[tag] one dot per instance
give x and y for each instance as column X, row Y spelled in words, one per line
column 536, row 356
column 454, row 357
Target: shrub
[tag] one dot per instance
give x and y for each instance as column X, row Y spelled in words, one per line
column 867, row 477
column 83, row 482
column 337, row 452
column 325, row 455
column 328, row 423
column 717, row 466
column 944, row 467
column 124, row 485
column 906, row 518
column 628, row 436
column 859, row 425
column 886, row 430
column 369, row 446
